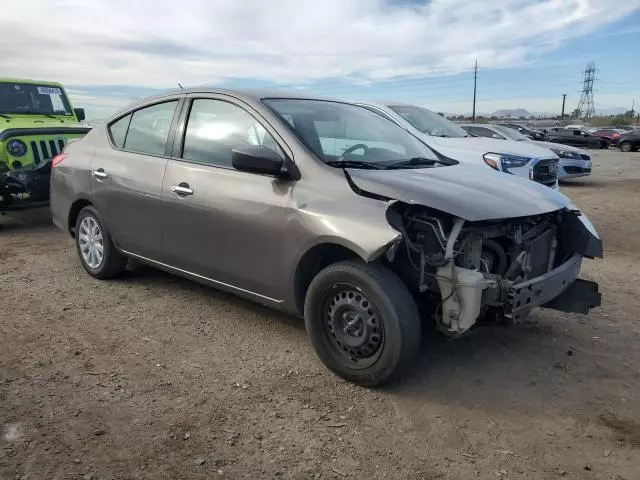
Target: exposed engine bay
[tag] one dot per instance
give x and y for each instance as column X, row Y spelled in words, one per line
column 504, row 268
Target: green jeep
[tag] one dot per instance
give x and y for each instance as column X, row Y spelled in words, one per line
column 36, row 122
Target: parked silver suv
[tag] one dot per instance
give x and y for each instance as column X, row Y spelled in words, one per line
column 324, row 209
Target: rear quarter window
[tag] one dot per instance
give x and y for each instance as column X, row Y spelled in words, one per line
column 118, row 131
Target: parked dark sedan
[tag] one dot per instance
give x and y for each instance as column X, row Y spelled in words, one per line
column 526, row 131
column 577, row 138
column 629, row 142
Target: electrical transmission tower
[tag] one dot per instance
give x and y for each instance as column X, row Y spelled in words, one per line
column 586, row 108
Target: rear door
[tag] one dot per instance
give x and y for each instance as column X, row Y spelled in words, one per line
column 220, row 223
column 127, row 173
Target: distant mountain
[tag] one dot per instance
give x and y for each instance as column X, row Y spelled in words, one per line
column 515, row 113
column 612, row 111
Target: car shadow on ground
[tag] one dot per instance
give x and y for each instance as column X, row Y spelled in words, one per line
column 142, row 274
column 536, row 366
column 25, row 220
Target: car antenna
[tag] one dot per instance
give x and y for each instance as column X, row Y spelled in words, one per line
column 181, row 87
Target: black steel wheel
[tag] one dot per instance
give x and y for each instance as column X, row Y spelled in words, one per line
column 362, row 321
column 354, row 325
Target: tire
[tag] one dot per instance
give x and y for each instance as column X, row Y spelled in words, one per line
column 362, row 322
column 113, row 263
column 595, row 144
column 625, row 147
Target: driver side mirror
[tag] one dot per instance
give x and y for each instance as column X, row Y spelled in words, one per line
column 257, row 159
column 79, row 114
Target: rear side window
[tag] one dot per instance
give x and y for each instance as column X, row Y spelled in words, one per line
column 118, row 131
column 149, row 129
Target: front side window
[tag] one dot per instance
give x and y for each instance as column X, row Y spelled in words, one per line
column 428, row 122
column 31, row 99
column 149, row 129
column 340, row 132
column 479, row 131
column 216, row 127
column 510, row 133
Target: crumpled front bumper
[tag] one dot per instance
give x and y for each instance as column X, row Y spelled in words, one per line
column 559, row 289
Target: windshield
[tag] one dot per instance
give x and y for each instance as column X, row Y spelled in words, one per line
column 26, row 98
column 510, row 133
column 340, row 132
column 428, row 122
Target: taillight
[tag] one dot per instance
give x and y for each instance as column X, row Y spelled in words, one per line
column 616, row 135
column 55, row 161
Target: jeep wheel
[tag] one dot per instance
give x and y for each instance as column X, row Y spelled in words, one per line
column 96, row 250
column 362, row 321
column 625, row 147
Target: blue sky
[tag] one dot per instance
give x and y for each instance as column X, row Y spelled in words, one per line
column 529, row 52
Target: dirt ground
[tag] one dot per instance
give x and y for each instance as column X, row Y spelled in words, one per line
column 155, row 377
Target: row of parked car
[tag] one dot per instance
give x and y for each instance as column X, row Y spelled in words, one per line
column 625, row 137
column 365, row 219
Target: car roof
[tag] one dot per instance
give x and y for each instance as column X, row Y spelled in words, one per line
column 245, row 94
column 31, row 82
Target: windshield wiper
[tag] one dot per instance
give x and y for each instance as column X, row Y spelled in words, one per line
column 353, row 164
column 4, row 116
column 417, row 162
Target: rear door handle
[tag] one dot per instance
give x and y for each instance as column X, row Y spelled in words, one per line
column 99, row 173
column 182, row 189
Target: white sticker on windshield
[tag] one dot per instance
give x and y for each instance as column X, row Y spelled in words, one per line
column 49, row 91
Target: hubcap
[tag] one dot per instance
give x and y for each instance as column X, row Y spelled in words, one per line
column 354, row 326
column 91, row 242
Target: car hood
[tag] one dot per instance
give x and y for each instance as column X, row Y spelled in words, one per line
column 466, row 191
column 559, row 146
column 35, row 121
column 487, row 145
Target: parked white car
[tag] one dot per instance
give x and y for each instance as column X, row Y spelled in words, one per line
column 445, row 137
column 574, row 162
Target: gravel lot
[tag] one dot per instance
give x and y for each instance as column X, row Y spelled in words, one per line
column 156, row 377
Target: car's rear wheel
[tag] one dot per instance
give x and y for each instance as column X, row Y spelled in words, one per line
column 625, row 146
column 595, row 144
column 96, row 250
column 362, row 321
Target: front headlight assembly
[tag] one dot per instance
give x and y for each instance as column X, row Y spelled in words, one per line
column 16, row 148
column 566, row 154
column 500, row 161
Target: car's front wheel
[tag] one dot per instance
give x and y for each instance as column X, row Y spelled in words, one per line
column 362, row 321
column 96, row 250
column 595, row 144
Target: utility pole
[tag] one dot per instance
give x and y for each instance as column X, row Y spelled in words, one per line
column 564, row 97
column 475, row 83
column 633, row 111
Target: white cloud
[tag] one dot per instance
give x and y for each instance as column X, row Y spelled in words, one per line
column 160, row 43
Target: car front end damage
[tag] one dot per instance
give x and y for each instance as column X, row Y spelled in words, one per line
column 465, row 271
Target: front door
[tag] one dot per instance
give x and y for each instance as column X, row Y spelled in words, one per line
column 126, row 177
column 220, row 223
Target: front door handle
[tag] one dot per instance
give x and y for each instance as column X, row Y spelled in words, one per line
column 182, row 189
column 99, row 173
